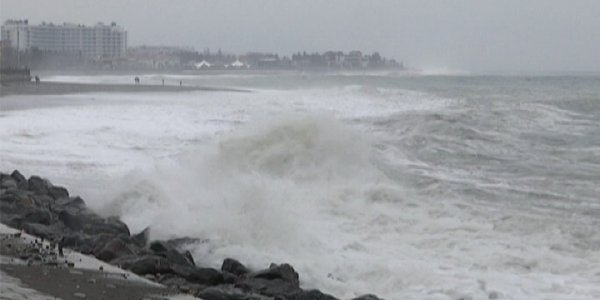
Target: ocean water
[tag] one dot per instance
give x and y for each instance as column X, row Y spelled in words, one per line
column 409, row 187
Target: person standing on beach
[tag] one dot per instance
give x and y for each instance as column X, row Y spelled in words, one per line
column 163, row 82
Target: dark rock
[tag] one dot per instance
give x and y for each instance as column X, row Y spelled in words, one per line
column 46, row 232
column 188, row 255
column 228, row 292
column 7, row 207
column 141, row 239
column 97, row 225
column 309, row 295
column 367, row 297
column 71, row 219
column 273, row 287
column 38, row 216
column 8, row 197
column 47, row 211
column 11, row 220
column 114, row 249
column 284, row 272
column 8, row 184
column 78, row 242
column 234, row 267
column 171, row 280
column 159, row 247
column 18, row 176
column 163, row 249
column 39, row 185
column 149, row 264
column 90, row 223
column 58, row 192
column 24, row 200
column 44, row 201
column 70, row 202
column 276, row 281
column 99, row 241
column 229, row 278
column 205, row 276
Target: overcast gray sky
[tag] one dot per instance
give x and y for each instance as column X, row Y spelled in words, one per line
column 474, row 35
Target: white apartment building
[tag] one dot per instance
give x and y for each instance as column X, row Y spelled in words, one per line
column 95, row 42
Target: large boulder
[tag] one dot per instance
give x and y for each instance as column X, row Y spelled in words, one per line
column 51, row 233
column 38, row 185
column 284, row 272
column 44, row 201
column 167, row 251
column 22, row 206
column 75, row 202
column 116, row 248
column 83, row 220
column 277, row 280
column 141, row 238
column 233, row 266
column 38, row 216
column 21, row 180
column 8, row 183
column 58, row 192
column 111, row 225
column 147, row 264
column 228, row 292
column 367, row 297
column 205, row 276
column 78, row 242
column 309, row 295
column 72, row 219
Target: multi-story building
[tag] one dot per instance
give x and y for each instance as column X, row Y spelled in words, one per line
column 91, row 42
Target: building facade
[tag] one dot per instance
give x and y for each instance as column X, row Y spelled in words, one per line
column 90, row 42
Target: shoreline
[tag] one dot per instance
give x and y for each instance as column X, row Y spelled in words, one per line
column 64, row 88
column 31, row 267
column 66, row 230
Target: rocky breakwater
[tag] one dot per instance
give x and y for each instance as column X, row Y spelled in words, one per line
column 42, row 209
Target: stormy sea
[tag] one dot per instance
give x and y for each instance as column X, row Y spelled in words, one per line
column 405, row 186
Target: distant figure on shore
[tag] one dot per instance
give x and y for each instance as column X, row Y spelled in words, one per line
column 37, row 80
column 180, row 83
column 163, row 82
column 137, row 80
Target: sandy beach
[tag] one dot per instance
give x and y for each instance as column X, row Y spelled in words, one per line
column 60, row 88
column 32, row 269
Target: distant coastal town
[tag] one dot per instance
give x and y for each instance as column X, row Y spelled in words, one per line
column 104, row 46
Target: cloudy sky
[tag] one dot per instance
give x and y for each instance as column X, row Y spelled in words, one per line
column 474, row 35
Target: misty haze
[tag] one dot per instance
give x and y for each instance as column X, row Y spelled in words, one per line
column 300, row 150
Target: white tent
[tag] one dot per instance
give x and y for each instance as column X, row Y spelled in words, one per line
column 237, row 64
column 202, row 64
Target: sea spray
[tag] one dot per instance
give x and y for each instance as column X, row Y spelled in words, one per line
column 265, row 192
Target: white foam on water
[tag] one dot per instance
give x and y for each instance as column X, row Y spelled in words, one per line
column 294, row 176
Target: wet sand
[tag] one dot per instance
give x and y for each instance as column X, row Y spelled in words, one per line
column 31, row 269
column 60, row 88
